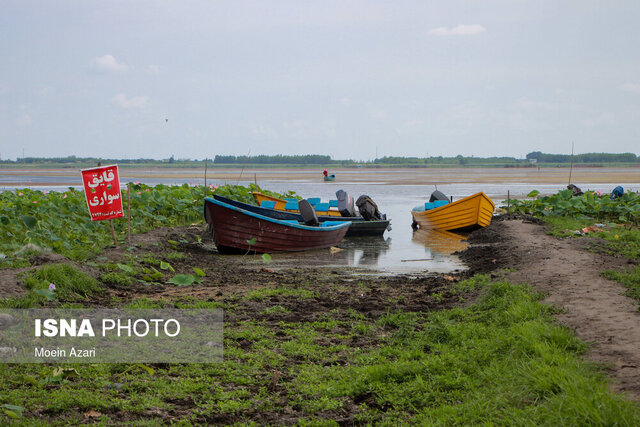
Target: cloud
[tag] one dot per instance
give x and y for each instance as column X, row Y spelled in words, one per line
column 631, row 87
column 379, row 114
column 459, row 30
column 133, row 102
column 24, row 120
column 604, row 119
column 263, row 131
column 108, row 63
column 413, row 123
column 529, row 104
column 295, row 124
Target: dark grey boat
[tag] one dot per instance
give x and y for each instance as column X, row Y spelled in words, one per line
column 359, row 227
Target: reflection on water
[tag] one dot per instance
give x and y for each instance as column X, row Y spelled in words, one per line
column 440, row 241
column 363, row 251
column 351, row 252
column 428, row 250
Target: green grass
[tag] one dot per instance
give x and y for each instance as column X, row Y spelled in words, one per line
column 621, row 239
column 630, row 279
column 263, row 293
column 116, row 279
column 624, row 240
column 175, row 256
column 71, row 285
column 500, row 361
column 565, row 226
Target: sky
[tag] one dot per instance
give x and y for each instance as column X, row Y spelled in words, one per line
column 351, row 79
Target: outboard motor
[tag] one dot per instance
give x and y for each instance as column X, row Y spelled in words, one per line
column 437, row 195
column 345, row 203
column 308, row 213
column 368, row 208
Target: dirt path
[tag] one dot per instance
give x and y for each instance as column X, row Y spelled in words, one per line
column 569, row 273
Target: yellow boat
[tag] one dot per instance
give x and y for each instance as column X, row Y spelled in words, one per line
column 259, row 197
column 280, row 204
column 465, row 214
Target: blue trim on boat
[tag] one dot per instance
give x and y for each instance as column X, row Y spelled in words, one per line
column 334, row 224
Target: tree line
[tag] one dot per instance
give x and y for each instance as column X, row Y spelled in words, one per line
column 308, row 159
column 583, row 158
column 536, row 157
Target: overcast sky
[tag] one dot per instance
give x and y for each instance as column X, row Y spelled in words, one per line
column 344, row 78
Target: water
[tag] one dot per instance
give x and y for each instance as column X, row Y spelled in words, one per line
column 400, row 250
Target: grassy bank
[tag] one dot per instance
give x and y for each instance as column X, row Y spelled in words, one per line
column 500, row 360
column 301, row 346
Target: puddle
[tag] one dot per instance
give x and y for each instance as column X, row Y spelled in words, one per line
column 426, row 251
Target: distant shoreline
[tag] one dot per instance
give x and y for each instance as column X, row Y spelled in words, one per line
column 391, row 176
column 180, row 166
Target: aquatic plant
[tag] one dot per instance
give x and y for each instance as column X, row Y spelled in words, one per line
column 59, row 221
column 625, row 209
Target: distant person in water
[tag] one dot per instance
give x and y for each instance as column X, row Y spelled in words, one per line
column 325, row 173
column 576, row 190
column 617, row 192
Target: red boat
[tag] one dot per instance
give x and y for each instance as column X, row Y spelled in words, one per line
column 237, row 230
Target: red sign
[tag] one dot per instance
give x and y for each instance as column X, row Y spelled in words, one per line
column 102, row 191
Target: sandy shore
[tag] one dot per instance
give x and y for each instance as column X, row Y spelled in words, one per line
column 420, row 176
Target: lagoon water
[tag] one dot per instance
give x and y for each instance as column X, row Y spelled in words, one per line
column 400, row 250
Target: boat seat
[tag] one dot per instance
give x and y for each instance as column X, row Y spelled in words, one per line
column 290, row 199
column 308, row 214
column 269, row 204
column 314, row 201
column 291, row 206
column 435, row 204
column 321, row 207
column 333, row 203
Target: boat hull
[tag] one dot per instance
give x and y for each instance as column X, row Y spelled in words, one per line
column 359, row 227
column 234, row 229
column 469, row 213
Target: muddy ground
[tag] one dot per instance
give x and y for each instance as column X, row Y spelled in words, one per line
column 235, row 282
column 231, row 277
column 568, row 271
